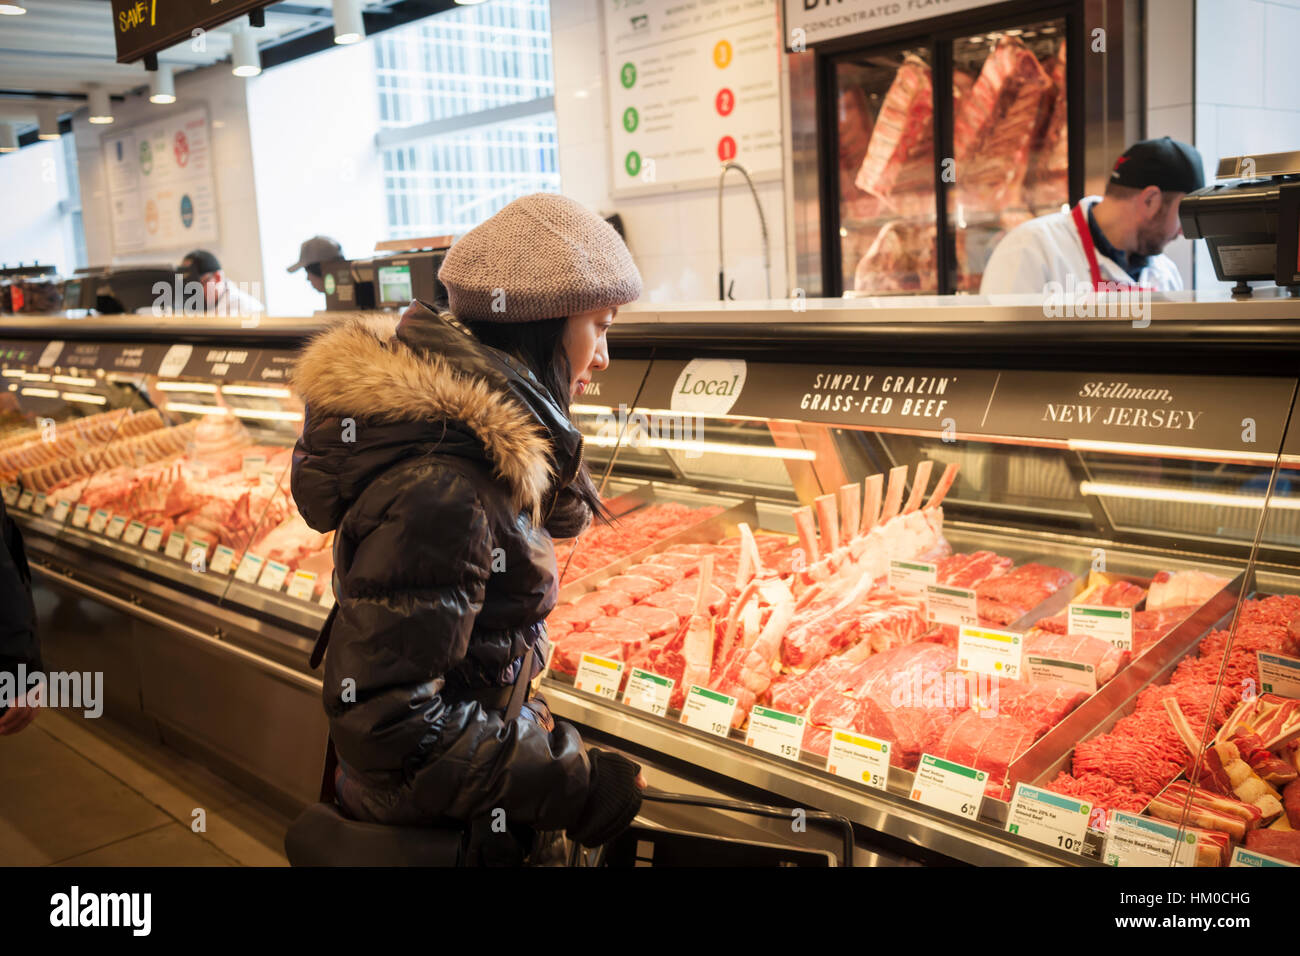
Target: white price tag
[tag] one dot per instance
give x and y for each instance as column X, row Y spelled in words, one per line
column 1070, row 672
column 42, row 502
column 115, row 527
column 955, row 606
column 253, row 464
column 250, row 567
column 81, row 517
column 99, row 520
column 153, row 539
column 1278, row 674
column 1113, row 624
column 273, row 575
column 266, row 480
column 1049, row 818
column 175, row 545
column 327, row 591
column 648, row 692
column 302, row 585
column 708, row 710
column 133, row 533
column 911, row 577
column 1243, row 857
column 196, row 553
column 25, row 500
column 223, row 560
column 61, row 511
column 987, row 650
column 11, row 493
column 949, row 786
column 775, row 732
column 859, row 758
column 599, row 675
column 1133, row 840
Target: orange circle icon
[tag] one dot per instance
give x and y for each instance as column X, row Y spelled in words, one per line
column 722, row 54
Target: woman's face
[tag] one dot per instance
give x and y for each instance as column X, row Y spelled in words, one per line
column 584, row 344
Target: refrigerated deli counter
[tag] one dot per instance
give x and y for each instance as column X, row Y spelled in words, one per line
column 979, row 580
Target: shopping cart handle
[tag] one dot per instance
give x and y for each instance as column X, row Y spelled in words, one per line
column 758, row 809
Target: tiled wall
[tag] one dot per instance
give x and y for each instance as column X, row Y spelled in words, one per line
column 673, row 236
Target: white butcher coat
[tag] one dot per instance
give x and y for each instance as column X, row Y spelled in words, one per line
column 1049, row 249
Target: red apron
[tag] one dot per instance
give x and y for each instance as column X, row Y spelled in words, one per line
column 1089, row 250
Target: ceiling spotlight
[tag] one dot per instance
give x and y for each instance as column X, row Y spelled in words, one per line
column 101, row 110
column 11, row 8
column 49, row 123
column 162, row 88
column 244, row 57
column 348, row 25
column 8, row 141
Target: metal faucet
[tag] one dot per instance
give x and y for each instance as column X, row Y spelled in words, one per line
column 724, row 292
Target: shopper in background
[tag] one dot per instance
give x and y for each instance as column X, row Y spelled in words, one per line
column 1116, row 239
column 18, row 643
column 462, row 465
column 311, row 254
column 220, row 295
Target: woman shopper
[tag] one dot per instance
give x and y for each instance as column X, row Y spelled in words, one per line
column 442, row 453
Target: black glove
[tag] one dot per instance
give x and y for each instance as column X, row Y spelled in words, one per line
column 613, row 799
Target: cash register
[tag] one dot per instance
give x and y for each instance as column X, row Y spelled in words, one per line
column 389, row 280
column 1250, row 220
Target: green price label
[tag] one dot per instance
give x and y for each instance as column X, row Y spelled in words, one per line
column 632, row 163
column 146, row 158
column 630, row 119
column 627, row 75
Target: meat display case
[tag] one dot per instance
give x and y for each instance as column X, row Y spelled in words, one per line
column 1094, row 463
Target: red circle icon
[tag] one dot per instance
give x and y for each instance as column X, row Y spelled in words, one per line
column 181, row 147
column 725, row 102
column 726, row 149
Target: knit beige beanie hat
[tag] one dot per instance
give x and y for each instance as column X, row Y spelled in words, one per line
column 541, row 257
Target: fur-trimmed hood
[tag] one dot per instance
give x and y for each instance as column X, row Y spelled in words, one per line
column 409, row 382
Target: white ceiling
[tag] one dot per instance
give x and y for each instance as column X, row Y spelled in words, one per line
column 62, row 46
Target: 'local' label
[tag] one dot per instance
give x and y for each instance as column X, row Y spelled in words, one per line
column 1070, row 672
column 1113, row 624
column 775, row 732
column 911, row 577
column 986, row 650
column 133, row 533
column 648, row 692
column 859, row 758
column 273, row 575
column 81, row 517
column 250, row 567
column 222, row 560
column 253, row 464
column 1243, row 857
column 175, row 545
column 949, row 786
column 708, row 710
column 302, row 585
column 955, row 606
column 1279, row 674
column 11, row 493
column 99, row 520
column 1133, row 840
column 42, row 502
column 599, row 675
column 25, row 500
column 61, row 511
column 115, row 527
column 153, row 539
column 1046, row 817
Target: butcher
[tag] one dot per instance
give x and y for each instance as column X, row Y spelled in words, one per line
column 1115, row 241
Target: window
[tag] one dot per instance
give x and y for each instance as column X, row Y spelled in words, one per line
column 467, row 117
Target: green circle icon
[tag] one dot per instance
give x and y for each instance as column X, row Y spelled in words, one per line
column 632, row 163
column 627, row 75
column 329, row 283
column 631, row 119
column 146, row 158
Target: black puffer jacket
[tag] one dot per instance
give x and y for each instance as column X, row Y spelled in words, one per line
column 436, row 459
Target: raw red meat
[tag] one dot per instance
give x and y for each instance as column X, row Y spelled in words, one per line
column 1143, row 765
column 679, row 602
column 988, row 743
column 898, row 167
column 663, row 574
column 968, row 570
column 1100, row 791
column 602, row 545
column 609, row 600
column 1010, row 596
column 1039, row 706
column 1105, row 658
column 636, row 588
column 1279, row 844
column 657, row 621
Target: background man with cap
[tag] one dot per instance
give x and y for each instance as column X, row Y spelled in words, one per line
column 1117, row 240
column 311, row 254
column 220, row 295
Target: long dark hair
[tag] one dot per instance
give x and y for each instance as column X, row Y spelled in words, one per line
column 539, row 346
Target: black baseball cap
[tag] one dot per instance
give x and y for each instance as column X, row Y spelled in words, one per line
column 199, row 263
column 1163, row 162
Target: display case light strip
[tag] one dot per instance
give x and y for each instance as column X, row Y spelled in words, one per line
column 260, row 391
column 40, row 392
column 84, row 398
column 35, row 377
column 1165, row 451
column 73, row 380
column 1103, row 489
column 584, row 409
column 12, row 373
column 265, row 415
column 721, row 447
column 206, row 388
column 196, row 409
